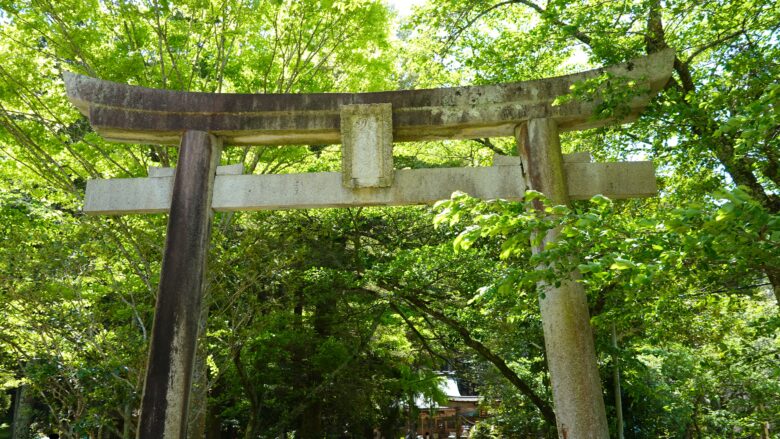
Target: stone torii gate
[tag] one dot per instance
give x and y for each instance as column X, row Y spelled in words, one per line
column 366, row 124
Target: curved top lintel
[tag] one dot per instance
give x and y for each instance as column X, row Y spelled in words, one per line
column 143, row 115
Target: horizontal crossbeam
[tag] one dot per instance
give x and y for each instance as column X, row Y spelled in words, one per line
column 132, row 114
column 325, row 189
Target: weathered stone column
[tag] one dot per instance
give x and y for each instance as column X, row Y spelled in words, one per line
column 568, row 338
column 179, row 297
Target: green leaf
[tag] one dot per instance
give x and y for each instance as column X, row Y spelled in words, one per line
column 622, row 264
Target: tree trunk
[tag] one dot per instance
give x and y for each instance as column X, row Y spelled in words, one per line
column 774, row 280
column 127, row 420
column 213, row 427
column 311, row 418
column 457, row 423
column 616, row 382
column 200, row 384
column 250, row 391
column 22, row 417
column 311, row 421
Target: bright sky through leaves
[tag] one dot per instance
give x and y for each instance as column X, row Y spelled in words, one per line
column 404, row 7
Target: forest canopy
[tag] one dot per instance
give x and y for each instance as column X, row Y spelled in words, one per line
column 330, row 322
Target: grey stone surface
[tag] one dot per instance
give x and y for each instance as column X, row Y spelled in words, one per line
column 568, row 338
column 506, row 160
column 411, row 186
column 158, row 172
column 164, row 404
column 367, row 145
column 615, row 180
column 118, row 196
column 141, row 115
column 577, row 157
column 513, row 160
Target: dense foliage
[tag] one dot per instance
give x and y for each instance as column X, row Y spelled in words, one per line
column 327, row 323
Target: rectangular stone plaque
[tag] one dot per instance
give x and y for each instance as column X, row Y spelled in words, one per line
column 367, row 146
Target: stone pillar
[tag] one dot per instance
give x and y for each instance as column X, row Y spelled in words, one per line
column 175, row 331
column 568, row 337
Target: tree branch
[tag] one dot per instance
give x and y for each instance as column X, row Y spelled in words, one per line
column 544, row 407
column 712, row 44
column 490, row 145
column 417, row 333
